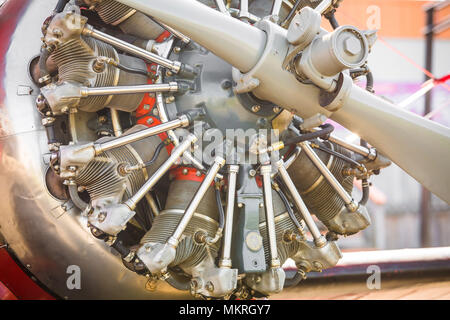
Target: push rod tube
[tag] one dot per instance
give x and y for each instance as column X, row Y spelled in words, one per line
column 189, row 213
column 150, row 183
column 182, row 121
column 366, row 152
column 225, row 262
column 242, row 45
column 221, row 6
column 164, row 118
column 115, row 120
column 89, row 31
column 319, row 240
column 266, row 170
column 276, row 7
column 106, row 91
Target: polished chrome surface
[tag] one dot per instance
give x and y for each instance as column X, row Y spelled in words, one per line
column 319, row 240
column 125, row 46
column 228, row 230
column 270, row 218
column 182, row 121
column 106, row 91
column 43, row 235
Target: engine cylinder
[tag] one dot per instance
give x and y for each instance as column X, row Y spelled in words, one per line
column 75, row 57
column 102, row 179
column 127, row 19
column 283, row 223
column 318, row 195
column 189, row 253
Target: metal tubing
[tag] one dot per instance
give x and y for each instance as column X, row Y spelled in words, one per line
column 164, row 118
column 116, row 122
column 106, row 91
column 221, row 6
column 188, row 214
column 152, row 203
column 292, row 158
column 352, row 147
column 176, row 33
column 323, row 6
column 276, row 7
column 240, row 43
column 243, row 9
column 266, row 170
column 319, row 240
column 225, row 262
column 88, row 30
column 150, row 183
column 182, row 121
column 328, row 176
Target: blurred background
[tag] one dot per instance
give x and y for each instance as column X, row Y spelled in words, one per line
column 404, row 214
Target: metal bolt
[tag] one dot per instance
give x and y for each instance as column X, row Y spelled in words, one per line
column 177, row 49
column 102, row 216
column 170, row 99
column 151, row 285
column 194, row 284
column 261, row 205
column 276, row 109
column 226, row 84
column 146, row 107
column 256, row 108
column 352, row 46
column 185, row 171
column 209, row 286
column 317, row 265
column 169, row 73
column 150, row 121
column 252, row 172
column 240, row 205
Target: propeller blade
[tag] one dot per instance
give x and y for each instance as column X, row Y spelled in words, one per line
column 419, row 146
